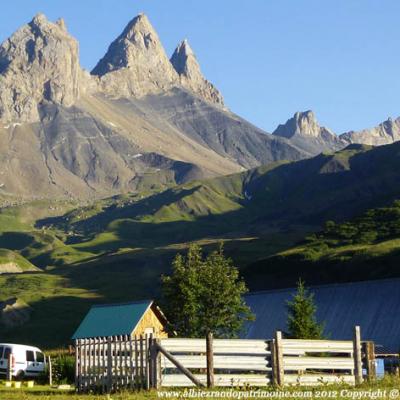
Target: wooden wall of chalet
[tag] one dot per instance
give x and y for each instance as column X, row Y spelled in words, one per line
column 150, row 320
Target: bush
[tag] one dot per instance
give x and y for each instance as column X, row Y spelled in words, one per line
column 63, row 368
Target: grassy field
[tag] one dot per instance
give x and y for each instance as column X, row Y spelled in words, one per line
column 382, row 389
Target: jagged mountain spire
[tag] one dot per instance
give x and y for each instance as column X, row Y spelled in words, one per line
column 39, row 62
column 136, row 62
column 304, row 124
column 191, row 77
column 184, row 60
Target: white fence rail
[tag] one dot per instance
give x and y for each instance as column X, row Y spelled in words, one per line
column 315, row 362
column 251, row 357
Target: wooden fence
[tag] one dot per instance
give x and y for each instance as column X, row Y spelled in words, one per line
column 314, row 362
column 112, row 363
column 109, row 364
column 236, row 362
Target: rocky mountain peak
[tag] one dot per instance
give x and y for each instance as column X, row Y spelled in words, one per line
column 184, row 60
column 140, row 28
column 303, row 124
column 39, row 19
column 61, row 23
column 136, row 63
column 190, row 75
column 385, row 133
column 39, row 62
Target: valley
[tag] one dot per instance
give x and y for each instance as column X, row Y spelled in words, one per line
column 116, row 249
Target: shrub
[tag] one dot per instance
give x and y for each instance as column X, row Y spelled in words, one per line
column 63, row 368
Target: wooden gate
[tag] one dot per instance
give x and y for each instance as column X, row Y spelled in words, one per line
column 112, row 363
column 316, row 362
column 237, row 362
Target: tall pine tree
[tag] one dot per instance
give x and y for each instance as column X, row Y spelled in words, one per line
column 302, row 322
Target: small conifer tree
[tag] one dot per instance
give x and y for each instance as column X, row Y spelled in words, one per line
column 302, row 322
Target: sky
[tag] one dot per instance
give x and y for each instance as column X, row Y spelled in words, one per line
column 269, row 58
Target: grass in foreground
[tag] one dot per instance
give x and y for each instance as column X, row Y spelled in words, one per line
column 387, row 388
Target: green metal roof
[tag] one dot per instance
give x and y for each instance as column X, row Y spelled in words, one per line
column 111, row 319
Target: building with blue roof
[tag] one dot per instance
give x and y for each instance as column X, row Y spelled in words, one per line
column 124, row 319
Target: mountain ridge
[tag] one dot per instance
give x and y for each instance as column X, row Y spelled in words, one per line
column 77, row 135
column 139, row 121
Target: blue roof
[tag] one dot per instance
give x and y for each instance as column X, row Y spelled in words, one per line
column 373, row 305
column 112, row 319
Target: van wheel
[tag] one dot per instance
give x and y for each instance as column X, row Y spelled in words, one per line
column 20, row 375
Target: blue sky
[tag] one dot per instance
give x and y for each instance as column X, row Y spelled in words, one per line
column 270, row 58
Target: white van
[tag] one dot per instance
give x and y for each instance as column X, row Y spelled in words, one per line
column 26, row 361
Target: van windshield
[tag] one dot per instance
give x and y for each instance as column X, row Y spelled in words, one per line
column 1, row 351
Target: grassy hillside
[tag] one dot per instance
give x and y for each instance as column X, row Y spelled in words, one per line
column 307, row 192
column 366, row 247
column 117, row 248
column 11, row 262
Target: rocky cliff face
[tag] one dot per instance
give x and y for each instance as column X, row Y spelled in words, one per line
column 305, row 132
column 135, row 63
column 304, row 124
column 190, row 75
column 385, row 133
column 38, row 63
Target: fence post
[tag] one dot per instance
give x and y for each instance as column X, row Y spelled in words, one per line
column 141, row 353
column 210, row 360
column 90, row 363
column 151, row 364
column 280, row 372
column 76, row 365
column 155, row 364
column 99, row 371
column 158, row 365
column 357, row 355
column 147, row 361
column 131, row 368
column 274, row 371
column 9, row 367
column 83, row 365
column 369, row 351
column 103, row 364
column 50, row 371
column 109, row 365
column 137, row 378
